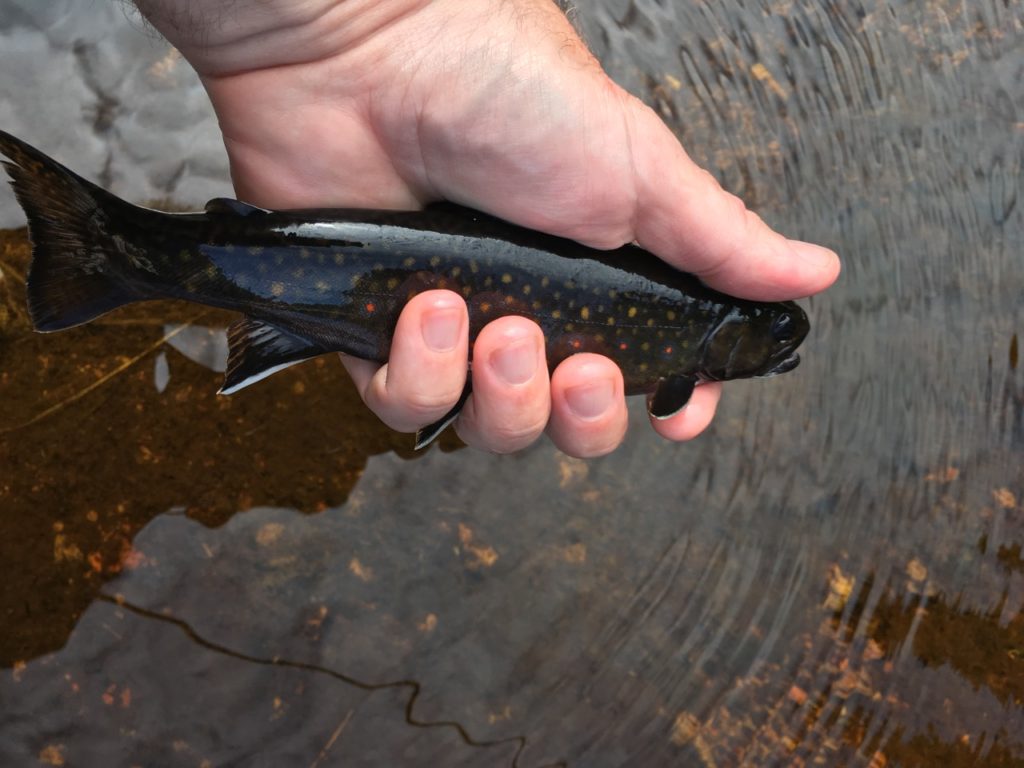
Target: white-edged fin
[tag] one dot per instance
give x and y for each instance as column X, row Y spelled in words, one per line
column 257, row 349
column 429, row 433
column 671, row 396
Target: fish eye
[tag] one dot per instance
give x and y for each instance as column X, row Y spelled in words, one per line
column 784, row 328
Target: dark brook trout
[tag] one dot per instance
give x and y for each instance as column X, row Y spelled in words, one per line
column 310, row 282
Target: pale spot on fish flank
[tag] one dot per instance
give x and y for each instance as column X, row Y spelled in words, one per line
column 632, row 312
column 506, row 278
column 277, row 289
column 322, row 286
column 585, row 313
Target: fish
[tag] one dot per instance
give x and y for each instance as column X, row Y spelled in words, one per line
column 314, row 281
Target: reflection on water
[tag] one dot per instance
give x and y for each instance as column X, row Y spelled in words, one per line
column 833, row 575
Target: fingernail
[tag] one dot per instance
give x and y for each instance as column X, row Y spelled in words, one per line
column 591, row 400
column 441, row 329
column 814, row 256
column 517, row 362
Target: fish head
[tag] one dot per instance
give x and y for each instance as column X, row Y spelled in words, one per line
column 754, row 340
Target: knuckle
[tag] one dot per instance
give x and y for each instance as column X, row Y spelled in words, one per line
column 409, row 411
column 591, row 441
column 423, row 407
column 512, row 437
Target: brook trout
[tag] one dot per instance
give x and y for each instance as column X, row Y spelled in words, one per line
column 309, row 282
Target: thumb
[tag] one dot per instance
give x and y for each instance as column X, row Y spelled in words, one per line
column 684, row 216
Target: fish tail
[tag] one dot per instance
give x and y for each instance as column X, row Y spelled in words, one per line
column 74, row 276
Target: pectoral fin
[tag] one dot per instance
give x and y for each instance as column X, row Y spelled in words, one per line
column 429, row 433
column 257, row 349
column 671, row 395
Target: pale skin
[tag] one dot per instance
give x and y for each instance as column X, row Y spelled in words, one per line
column 498, row 105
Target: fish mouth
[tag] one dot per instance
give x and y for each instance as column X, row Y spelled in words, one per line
column 785, row 366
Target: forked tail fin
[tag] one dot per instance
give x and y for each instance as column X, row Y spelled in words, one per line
column 72, row 279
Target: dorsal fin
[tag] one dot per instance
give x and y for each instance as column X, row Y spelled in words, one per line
column 230, row 207
column 257, row 349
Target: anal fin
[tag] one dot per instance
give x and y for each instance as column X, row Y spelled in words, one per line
column 257, row 349
column 671, row 396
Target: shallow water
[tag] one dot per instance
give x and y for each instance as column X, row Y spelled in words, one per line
column 832, row 575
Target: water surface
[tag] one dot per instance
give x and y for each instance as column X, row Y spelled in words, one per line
column 832, row 575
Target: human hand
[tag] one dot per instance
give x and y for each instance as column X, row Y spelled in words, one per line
column 497, row 105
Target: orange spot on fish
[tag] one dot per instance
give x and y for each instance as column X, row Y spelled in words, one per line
column 371, row 307
column 623, row 345
column 668, row 350
column 575, row 343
